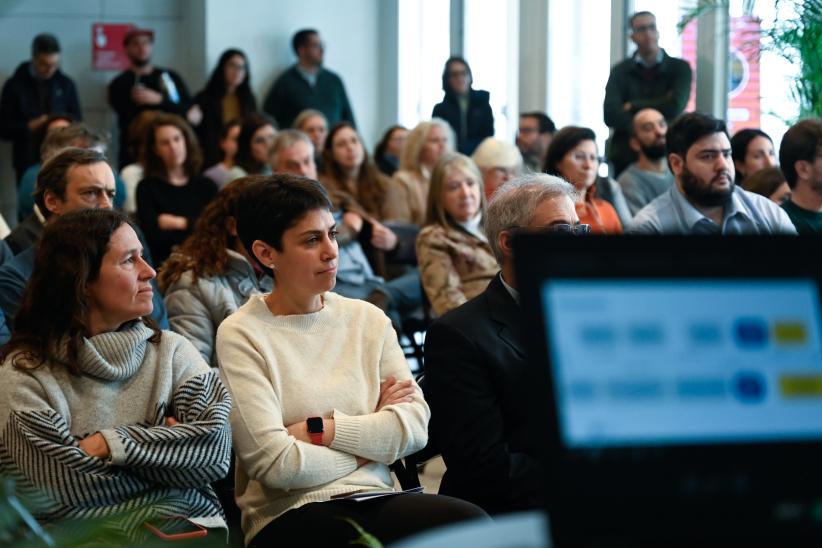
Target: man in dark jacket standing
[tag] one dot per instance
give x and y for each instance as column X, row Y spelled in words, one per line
column 36, row 90
column 466, row 110
column 144, row 87
column 308, row 85
column 649, row 79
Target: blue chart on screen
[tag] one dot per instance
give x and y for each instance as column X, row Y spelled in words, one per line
column 638, row 362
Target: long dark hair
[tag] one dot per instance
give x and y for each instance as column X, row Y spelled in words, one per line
column 251, row 124
column 739, row 146
column 153, row 164
column 216, row 87
column 53, row 316
column 371, row 188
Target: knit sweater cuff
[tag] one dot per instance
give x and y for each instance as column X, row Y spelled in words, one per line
column 116, row 448
column 345, row 463
column 347, row 433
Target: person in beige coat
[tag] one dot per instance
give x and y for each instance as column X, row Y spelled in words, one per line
column 456, row 263
column 424, row 146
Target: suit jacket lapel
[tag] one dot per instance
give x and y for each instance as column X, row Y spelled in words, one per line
column 505, row 313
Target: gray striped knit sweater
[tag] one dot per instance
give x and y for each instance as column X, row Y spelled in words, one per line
column 126, row 389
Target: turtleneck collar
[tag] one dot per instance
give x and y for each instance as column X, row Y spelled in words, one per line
column 116, row 355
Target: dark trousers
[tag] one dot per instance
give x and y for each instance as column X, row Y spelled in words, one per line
column 387, row 519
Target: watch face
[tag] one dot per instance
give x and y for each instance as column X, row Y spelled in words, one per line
column 315, row 425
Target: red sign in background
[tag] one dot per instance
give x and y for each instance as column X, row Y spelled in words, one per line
column 107, row 52
column 744, row 109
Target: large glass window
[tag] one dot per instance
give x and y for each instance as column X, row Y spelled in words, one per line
column 772, row 105
column 579, row 44
column 424, row 46
column 491, row 48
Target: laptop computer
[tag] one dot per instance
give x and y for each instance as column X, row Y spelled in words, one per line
column 683, row 383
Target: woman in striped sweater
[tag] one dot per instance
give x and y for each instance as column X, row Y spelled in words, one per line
column 101, row 414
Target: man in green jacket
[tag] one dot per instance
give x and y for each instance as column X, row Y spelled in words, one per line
column 649, row 79
column 308, row 85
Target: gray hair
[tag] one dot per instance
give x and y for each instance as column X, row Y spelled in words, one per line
column 514, row 203
column 285, row 139
column 77, row 135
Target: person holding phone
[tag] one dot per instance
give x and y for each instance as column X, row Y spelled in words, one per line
column 144, row 86
column 324, row 399
column 102, row 414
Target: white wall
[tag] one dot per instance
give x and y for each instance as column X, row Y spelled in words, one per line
column 356, row 43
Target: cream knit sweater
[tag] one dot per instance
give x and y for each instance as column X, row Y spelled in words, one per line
column 281, row 370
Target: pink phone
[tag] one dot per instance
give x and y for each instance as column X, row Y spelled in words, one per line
column 175, row 528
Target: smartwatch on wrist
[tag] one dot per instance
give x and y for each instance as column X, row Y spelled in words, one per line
column 315, row 429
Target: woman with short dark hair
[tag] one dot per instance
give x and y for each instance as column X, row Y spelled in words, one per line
column 324, row 397
column 173, row 194
column 103, row 415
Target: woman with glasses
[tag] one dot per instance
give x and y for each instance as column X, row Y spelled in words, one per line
column 573, row 155
column 455, row 260
column 227, row 96
column 466, row 110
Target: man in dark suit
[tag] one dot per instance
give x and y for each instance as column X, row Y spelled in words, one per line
column 475, row 364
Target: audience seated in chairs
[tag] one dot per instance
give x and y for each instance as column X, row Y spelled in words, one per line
column 424, row 146
column 573, row 156
column 705, row 199
column 455, row 260
column 314, row 124
column 769, row 182
column 292, row 152
column 388, row 151
column 253, row 147
column 76, row 135
column 173, row 194
column 211, row 274
column 324, row 399
column 357, row 188
column 498, row 162
column 74, row 179
column 220, row 172
column 752, row 150
column 103, row 415
column 475, row 363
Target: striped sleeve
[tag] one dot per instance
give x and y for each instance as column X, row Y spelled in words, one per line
column 37, row 447
column 190, row 454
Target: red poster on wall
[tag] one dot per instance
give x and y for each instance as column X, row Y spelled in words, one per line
column 107, row 52
column 743, row 78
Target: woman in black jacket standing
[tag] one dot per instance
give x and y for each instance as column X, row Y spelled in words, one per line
column 227, row 96
column 465, row 109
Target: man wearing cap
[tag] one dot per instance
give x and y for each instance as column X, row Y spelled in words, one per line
column 144, row 87
column 498, row 162
column 37, row 89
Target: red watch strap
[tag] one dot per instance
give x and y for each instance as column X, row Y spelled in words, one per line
column 316, row 438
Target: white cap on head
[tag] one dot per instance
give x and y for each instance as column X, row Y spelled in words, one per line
column 496, row 153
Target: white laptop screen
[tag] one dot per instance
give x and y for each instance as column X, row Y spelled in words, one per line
column 650, row 362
